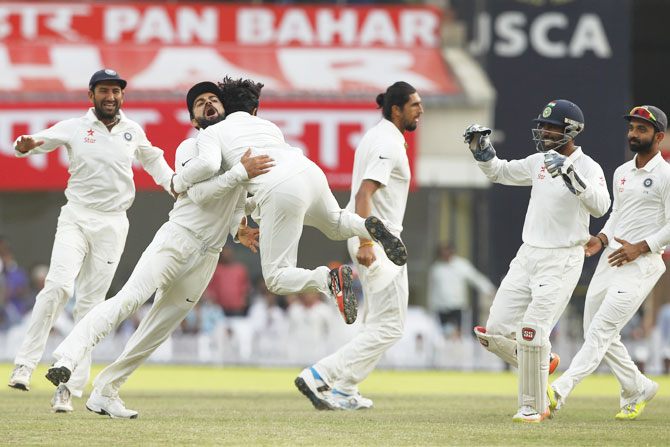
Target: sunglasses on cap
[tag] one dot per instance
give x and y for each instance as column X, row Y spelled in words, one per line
column 643, row 113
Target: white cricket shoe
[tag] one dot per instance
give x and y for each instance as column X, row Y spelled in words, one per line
column 528, row 414
column 349, row 402
column 113, row 407
column 62, row 400
column 20, row 378
column 310, row 383
column 634, row 409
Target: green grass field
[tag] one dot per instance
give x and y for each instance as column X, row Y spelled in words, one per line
column 182, row 405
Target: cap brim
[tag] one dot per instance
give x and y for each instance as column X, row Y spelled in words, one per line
column 650, row 121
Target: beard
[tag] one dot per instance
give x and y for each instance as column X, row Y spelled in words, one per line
column 204, row 122
column 638, row 146
column 102, row 114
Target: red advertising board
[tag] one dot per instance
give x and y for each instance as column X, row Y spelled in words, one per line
column 328, row 134
column 303, row 50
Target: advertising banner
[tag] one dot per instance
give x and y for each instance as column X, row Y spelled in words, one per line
column 328, row 134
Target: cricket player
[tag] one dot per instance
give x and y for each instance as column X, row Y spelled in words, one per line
column 92, row 226
column 567, row 186
column 380, row 184
column 632, row 240
column 177, row 265
column 294, row 193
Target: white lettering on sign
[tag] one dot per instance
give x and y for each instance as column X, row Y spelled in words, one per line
column 57, row 20
column 293, row 122
column 155, row 24
column 72, row 65
column 174, row 66
column 330, row 69
column 510, row 35
column 262, row 26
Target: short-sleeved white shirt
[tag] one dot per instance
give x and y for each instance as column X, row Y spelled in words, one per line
column 382, row 156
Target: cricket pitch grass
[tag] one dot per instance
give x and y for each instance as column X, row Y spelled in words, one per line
column 203, row 406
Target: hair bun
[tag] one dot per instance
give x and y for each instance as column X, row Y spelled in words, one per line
column 380, row 99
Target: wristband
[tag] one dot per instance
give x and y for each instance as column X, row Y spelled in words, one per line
column 601, row 241
column 366, row 243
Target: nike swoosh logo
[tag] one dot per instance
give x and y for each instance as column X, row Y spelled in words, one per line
column 541, row 285
column 110, row 262
column 190, row 301
column 184, row 163
column 384, row 158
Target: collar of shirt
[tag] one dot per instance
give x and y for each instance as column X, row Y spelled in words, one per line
column 93, row 118
column 395, row 132
column 651, row 164
column 576, row 154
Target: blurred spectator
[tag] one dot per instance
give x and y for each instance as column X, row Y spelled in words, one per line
column 268, row 323
column 634, row 336
column 663, row 325
column 448, row 280
column 230, row 284
column 309, row 327
column 16, row 293
column 38, row 274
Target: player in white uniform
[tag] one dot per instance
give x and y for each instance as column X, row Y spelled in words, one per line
column 633, row 239
column 177, row 265
column 380, row 184
column 92, row 226
column 567, row 187
column 294, row 193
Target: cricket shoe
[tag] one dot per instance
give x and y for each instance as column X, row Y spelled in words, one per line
column 310, row 383
column 393, row 247
column 634, row 409
column 340, row 285
column 348, row 402
column 113, row 407
column 555, row 401
column 528, row 414
column 58, row 374
column 62, row 400
column 20, row 378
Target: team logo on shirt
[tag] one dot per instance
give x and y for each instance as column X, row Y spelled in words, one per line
column 527, row 333
column 128, row 136
column 647, row 182
column 543, row 171
column 88, row 139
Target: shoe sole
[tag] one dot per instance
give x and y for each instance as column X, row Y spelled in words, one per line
column 19, row 386
column 393, row 247
column 349, row 304
column 58, row 375
column 60, row 410
column 309, row 394
column 534, row 421
column 102, row 412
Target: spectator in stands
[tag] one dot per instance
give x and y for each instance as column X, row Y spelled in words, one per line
column 268, row 322
column 663, row 324
column 15, row 285
column 309, row 326
column 230, row 284
column 448, row 280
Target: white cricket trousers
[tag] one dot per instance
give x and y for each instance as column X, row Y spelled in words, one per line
column 536, row 289
column 86, row 253
column 383, row 324
column 613, row 297
column 303, row 199
column 177, row 266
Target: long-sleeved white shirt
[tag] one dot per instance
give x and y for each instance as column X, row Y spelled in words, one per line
column 556, row 218
column 381, row 156
column 448, row 284
column 211, row 219
column 223, row 144
column 641, row 209
column 101, row 175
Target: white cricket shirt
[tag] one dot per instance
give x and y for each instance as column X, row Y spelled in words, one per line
column 641, row 209
column 556, row 218
column 381, row 156
column 101, row 175
column 210, row 219
column 223, row 144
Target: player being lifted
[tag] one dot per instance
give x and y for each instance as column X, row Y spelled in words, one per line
column 566, row 187
column 294, row 193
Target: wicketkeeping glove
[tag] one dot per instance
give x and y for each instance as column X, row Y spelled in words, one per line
column 477, row 138
column 558, row 164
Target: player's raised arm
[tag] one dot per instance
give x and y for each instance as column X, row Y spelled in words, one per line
column 202, row 166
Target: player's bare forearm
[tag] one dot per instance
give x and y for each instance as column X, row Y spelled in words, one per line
column 363, row 196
